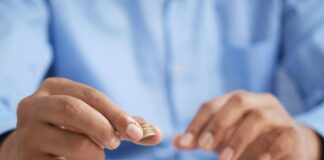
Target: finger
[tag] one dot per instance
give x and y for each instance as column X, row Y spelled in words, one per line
column 176, row 141
column 258, row 146
column 227, row 138
column 252, row 126
column 229, row 116
column 124, row 124
column 73, row 113
column 188, row 140
column 150, row 141
column 63, row 143
column 283, row 144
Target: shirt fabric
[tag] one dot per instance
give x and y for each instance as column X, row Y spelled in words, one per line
column 162, row 59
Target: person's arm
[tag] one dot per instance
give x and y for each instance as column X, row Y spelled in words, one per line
column 4, row 136
column 61, row 118
column 321, row 145
column 25, row 54
column 303, row 57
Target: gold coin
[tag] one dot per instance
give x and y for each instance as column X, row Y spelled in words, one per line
column 148, row 130
column 146, row 125
column 148, row 135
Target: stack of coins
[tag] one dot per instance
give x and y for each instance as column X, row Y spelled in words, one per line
column 148, row 130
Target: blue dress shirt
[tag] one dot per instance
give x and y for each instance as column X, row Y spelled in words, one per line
column 163, row 58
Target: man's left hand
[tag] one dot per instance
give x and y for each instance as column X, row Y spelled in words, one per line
column 246, row 126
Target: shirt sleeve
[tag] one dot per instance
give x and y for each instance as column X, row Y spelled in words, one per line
column 25, row 54
column 303, row 56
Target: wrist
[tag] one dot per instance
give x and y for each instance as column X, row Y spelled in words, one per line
column 321, row 145
column 6, row 147
column 313, row 143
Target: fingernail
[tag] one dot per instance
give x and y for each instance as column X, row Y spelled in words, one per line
column 134, row 132
column 113, row 143
column 266, row 156
column 227, row 154
column 186, row 140
column 206, row 141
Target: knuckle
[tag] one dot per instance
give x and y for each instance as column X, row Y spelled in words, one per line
column 273, row 100
column 240, row 93
column 239, row 97
column 270, row 97
column 25, row 111
column 48, row 83
column 219, row 124
column 258, row 115
column 49, row 80
column 23, row 104
column 69, row 105
column 119, row 116
column 207, row 107
column 54, row 80
column 106, row 132
column 90, row 94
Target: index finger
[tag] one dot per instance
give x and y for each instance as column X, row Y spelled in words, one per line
column 69, row 112
column 124, row 124
column 189, row 139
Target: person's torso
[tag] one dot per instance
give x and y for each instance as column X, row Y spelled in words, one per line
column 162, row 59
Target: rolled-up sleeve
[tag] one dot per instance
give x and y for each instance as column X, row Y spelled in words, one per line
column 25, row 54
column 303, row 60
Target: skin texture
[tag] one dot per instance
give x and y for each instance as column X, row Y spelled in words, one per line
column 68, row 120
column 248, row 126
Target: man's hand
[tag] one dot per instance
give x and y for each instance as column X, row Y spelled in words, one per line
column 248, row 126
column 69, row 120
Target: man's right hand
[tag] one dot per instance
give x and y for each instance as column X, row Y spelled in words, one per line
column 69, row 120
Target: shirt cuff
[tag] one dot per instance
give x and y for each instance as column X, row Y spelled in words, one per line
column 322, row 146
column 4, row 136
column 313, row 119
